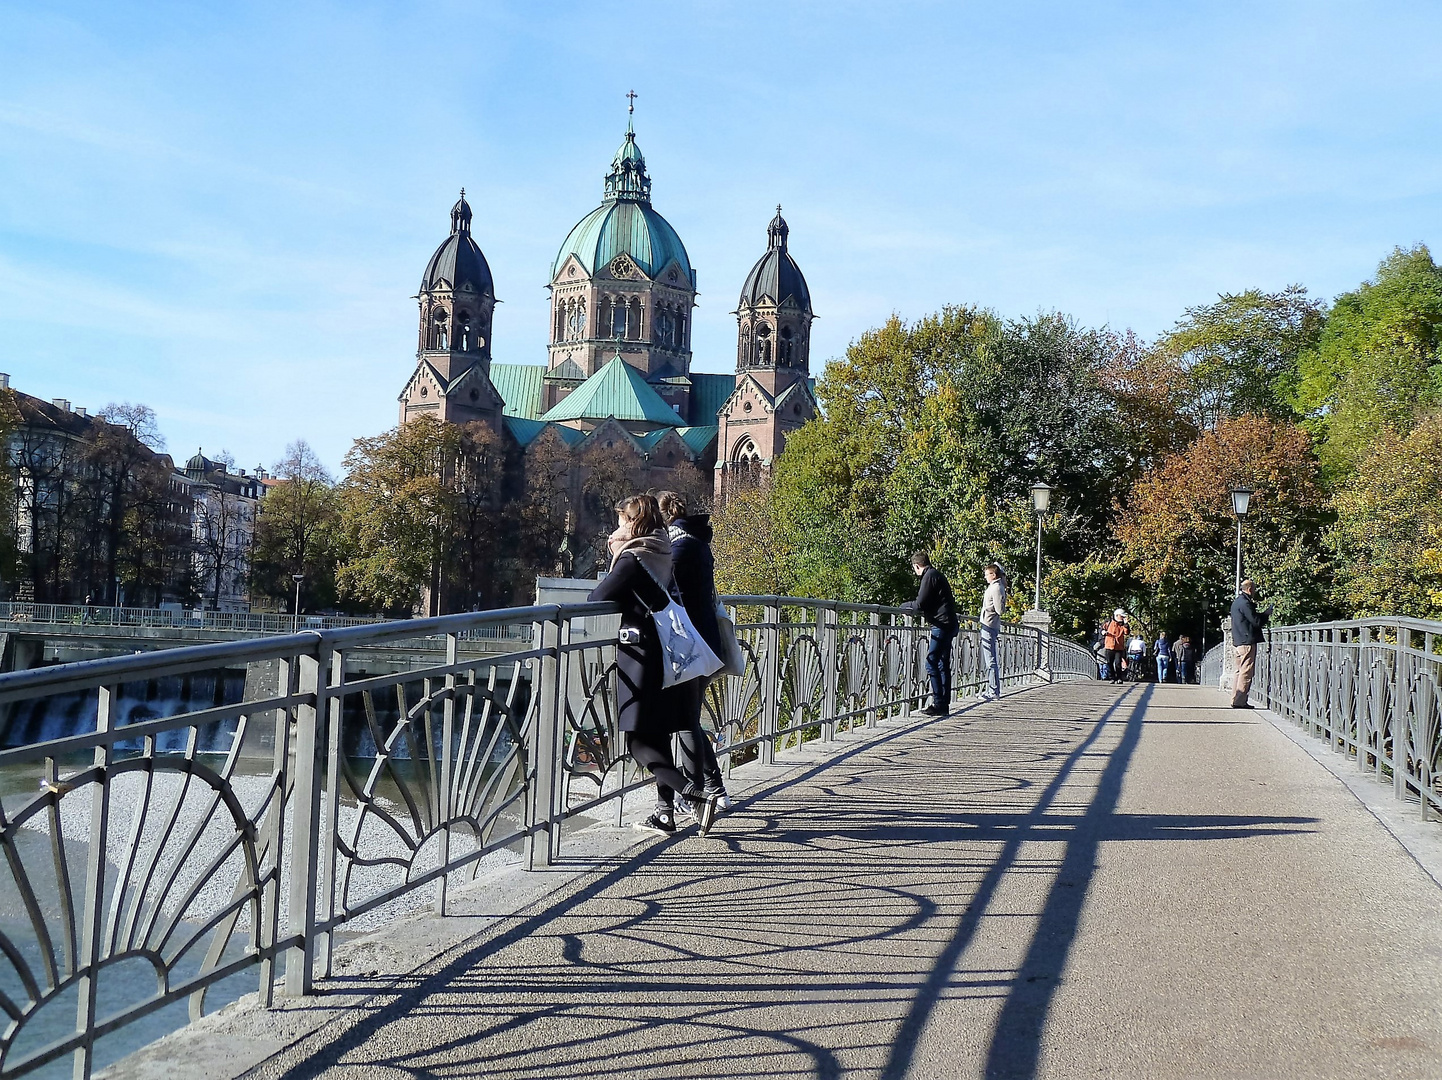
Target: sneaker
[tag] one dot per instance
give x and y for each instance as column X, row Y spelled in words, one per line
column 684, row 808
column 723, row 801
column 706, row 811
column 658, row 823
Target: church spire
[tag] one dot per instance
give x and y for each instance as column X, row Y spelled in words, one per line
column 627, row 179
column 461, row 215
column 778, row 230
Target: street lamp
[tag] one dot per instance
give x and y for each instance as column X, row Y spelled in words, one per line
column 297, row 578
column 1241, row 501
column 1040, row 500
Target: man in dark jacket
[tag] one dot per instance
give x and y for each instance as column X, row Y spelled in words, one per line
column 935, row 602
column 1248, row 622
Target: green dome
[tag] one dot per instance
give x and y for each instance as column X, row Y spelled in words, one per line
column 626, row 223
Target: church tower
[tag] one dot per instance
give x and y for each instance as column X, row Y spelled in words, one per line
column 622, row 283
column 773, row 366
column 453, row 349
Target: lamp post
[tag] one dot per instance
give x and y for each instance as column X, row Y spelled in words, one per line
column 1241, row 502
column 297, row 578
column 1040, row 501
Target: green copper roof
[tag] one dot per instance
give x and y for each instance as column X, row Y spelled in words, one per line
column 626, row 223
column 617, row 390
column 523, row 429
column 708, row 394
column 520, row 388
column 623, row 226
column 698, row 438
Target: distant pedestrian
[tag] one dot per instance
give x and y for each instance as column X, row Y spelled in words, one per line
column 1114, row 641
column 935, row 602
column 1163, row 649
column 1137, row 658
column 993, row 603
column 1185, row 656
column 640, row 581
column 1248, row 622
column 695, row 571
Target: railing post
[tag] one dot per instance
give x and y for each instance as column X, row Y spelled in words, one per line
column 540, row 807
column 446, row 801
column 873, row 688
column 1401, row 740
column 88, row 963
column 827, row 706
column 267, row 932
column 330, row 799
column 830, row 668
column 305, row 824
column 770, row 681
column 908, row 669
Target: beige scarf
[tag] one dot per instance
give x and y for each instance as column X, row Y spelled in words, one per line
column 653, row 552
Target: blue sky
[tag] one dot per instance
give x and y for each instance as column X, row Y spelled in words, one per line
column 223, row 210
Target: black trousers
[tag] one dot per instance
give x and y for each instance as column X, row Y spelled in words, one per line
column 1114, row 664
column 698, row 757
column 652, row 750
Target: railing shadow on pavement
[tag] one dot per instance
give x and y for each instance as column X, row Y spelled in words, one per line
column 699, row 952
column 179, row 850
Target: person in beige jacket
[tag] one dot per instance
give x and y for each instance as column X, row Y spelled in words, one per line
column 993, row 603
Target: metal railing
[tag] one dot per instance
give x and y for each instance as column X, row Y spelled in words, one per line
column 1371, row 688
column 163, row 855
column 89, row 615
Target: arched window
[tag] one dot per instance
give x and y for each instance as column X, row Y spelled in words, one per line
column 617, row 328
column 557, row 333
column 463, row 323
column 635, row 327
column 604, row 321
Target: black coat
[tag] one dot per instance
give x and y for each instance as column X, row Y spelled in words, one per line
column 1247, row 621
column 934, row 600
column 695, row 570
column 641, row 704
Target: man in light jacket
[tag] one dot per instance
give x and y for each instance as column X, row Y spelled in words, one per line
column 934, row 601
column 1248, row 622
column 993, row 603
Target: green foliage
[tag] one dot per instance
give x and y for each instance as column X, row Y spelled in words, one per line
column 1389, row 526
column 1239, row 354
column 296, row 532
column 1376, row 362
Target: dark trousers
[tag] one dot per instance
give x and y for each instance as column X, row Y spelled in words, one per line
column 1114, row 664
column 652, row 750
column 697, row 758
column 938, row 666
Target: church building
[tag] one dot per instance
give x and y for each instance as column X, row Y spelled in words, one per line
column 618, row 369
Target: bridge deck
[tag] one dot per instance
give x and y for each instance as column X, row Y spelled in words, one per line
column 1078, row 881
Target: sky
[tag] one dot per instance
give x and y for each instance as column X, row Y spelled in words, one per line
column 223, row 210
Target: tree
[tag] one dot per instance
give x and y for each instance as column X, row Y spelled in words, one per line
column 751, row 557
column 1240, row 354
column 1388, row 533
column 294, row 531
column 1376, row 363
column 422, row 513
column 1177, row 525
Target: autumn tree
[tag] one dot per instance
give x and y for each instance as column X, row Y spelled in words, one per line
column 422, row 512
column 295, row 531
column 1177, row 526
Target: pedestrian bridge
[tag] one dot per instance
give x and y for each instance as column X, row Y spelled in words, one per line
column 1080, row 879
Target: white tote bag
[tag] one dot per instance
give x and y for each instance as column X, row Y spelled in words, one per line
column 684, row 654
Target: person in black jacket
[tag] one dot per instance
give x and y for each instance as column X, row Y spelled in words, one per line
column 1248, row 622
column 639, row 582
column 695, row 570
column 935, row 602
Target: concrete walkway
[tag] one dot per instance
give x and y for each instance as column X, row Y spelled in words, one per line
column 1078, row 881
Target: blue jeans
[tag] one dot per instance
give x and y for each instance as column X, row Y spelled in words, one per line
column 938, row 666
column 1164, row 664
column 991, row 659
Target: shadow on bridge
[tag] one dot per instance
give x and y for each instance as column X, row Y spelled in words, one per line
column 816, row 933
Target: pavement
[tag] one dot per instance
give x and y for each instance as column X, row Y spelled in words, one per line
column 1081, row 880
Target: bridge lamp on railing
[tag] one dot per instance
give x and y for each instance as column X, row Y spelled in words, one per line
column 1241, row 503
column 1041, row 502
column 297, row 578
